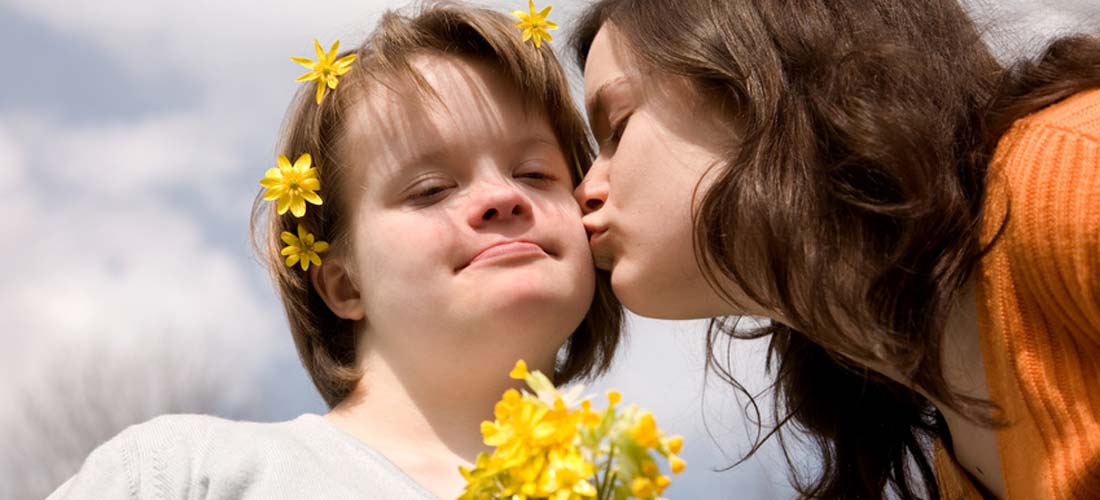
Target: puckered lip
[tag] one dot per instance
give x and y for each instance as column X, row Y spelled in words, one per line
column 595, row 231
column 493, row 249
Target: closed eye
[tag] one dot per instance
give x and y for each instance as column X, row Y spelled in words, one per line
column 428, row 193
column 617, row 130
column 537, row 176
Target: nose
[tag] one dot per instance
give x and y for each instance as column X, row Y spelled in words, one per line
column 591, row 194
column 497, row 202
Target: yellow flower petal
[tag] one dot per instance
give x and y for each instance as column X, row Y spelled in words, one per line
column 320, row 247
column 345, row 62
column 302, row 232
column 318, row 50
column 289, row 250
column 310, row 183
column 304, row 61
column 305, row 264
column 519, row 372
column 662, row 482
column 298, row 207
column 274, row 193
column 675, row 444
column 613, row 397
column 320, row 91
column 283, row 163
column 288, row 238
column 293, row 259
column 641, row 487
column 677, row 464
column 312, row 197
column 283, row 205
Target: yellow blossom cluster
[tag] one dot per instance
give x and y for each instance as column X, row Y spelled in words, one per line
column 553, row 445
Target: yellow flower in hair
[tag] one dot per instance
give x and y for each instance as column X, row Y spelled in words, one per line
column 292, row 185
column 534, row 24
column 302, row 249
column 327, row 70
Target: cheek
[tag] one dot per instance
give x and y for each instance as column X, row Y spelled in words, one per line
column 403, row 246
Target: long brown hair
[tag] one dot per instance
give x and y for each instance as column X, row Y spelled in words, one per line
column 853, row 202
column 327, row 343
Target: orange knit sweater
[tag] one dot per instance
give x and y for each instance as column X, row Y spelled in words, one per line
column 1039, row 306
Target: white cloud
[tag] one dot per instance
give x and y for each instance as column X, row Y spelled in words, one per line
column 127, row 159
column 115, row 302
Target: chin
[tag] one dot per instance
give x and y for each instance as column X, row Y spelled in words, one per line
column 652, row 299
column 535, row 296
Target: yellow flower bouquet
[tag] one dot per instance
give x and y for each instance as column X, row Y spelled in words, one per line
column 553, row 445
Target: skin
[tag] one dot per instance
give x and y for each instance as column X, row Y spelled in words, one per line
column 443, row 319
column 657, row 145
column 658, row 142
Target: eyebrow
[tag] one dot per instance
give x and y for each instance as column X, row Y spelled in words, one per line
column 596, row 103
column 440, row 153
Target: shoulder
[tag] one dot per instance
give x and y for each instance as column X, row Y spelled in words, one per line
column 1051, row 157
column 154, row 455
column 165, row 457
column 1044, row 187
column 1077, row 114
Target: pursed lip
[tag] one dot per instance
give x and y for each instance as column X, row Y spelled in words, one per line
column 598, row 242
column 595, row 232
column 506, row 248
column 595, row 237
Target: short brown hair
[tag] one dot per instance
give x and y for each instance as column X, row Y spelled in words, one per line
column 327, row 343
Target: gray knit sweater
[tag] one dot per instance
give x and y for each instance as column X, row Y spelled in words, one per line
column 197, row 457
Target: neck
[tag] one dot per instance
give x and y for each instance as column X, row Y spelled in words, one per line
column 421, row 409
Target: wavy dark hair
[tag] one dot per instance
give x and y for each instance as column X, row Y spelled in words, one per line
column 852, row 205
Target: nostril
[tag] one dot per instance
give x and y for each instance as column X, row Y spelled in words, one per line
column 489, row 214
column 593, row 204
column 516, row 210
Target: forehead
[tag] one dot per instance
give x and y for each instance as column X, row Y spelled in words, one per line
column 473, row 105
column 607, row 64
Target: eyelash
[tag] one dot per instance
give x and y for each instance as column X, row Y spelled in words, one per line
column 617, row 130
column 430, row 192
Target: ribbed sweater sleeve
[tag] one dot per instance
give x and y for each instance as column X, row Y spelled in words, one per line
column 1056, row 206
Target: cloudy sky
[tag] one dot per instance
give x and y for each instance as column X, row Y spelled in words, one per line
column 132, row 135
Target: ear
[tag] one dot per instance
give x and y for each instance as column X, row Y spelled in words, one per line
column 333, row 282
